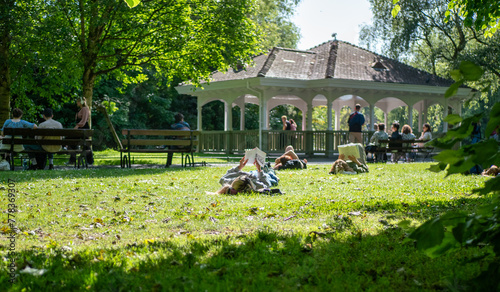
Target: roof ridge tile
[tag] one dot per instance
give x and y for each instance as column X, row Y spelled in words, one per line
column 268, row 63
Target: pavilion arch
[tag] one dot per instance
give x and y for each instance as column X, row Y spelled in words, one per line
column 349, row 100
column 225, row 106
column 288, row 100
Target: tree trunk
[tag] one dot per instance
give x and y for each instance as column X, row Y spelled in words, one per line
column 5, row 41
column 4, row 79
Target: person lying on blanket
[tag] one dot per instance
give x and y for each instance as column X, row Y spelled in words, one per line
column 237, row 181
column 289, row 160
column 348, row 166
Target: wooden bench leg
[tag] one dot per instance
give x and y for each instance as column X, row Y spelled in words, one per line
column 11, row 160
column 123, row 160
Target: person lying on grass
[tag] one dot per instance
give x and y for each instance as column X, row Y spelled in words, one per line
column 237, row 181
column 349, row 166
column 492, row 171
column 289, row 160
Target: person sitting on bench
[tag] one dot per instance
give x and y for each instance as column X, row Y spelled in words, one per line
column 38, row 161
column 15, row 122
column 374, row 142
column 180, row 125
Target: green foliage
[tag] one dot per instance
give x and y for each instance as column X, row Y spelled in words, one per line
column 290, row 111
column 452, row 230
column 467, row 71
column 276, row 28
column 482, row 15
column 320, row 118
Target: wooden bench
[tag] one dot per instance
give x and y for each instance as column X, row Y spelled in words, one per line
column 77, row 138
column 396, row 147
column 158, row 141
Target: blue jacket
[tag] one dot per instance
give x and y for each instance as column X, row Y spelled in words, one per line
column 356, row 120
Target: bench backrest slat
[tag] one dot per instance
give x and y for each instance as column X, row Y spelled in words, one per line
column 68, row 133
column 158, row 142
column 156, row 132
column 159, row 137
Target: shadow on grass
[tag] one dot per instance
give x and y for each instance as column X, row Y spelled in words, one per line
column 339, row 260
column 94, row 172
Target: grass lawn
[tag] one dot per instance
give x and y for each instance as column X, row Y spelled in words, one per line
column 157, row 229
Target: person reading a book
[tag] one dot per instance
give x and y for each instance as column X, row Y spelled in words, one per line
column 289, row 160
column 348, row 166
column 238, row 181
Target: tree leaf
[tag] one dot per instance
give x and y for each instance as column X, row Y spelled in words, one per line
column 471, row 71
column 395, row 10
column 448, row 157
column 132, row 3
column 494, row 121
column 453, row 119
column 448, row 242
column 492, row 185
column 429, row 234
column 456, row 75
column 453, row 218
column 438, row 167
column 453, row 89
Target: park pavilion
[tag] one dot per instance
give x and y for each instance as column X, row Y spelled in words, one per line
column 334, row 74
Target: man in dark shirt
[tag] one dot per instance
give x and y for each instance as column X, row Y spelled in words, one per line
column 179, row 125
column 356, row 120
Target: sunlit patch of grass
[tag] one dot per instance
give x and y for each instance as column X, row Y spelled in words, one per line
column 158, row 229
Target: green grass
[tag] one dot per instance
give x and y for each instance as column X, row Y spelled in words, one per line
column 158, row 229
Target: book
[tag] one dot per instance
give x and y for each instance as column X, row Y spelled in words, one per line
column 256, row 154
column 349, row 149
column 355, row 149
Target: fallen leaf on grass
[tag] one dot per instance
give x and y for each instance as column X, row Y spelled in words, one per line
column 355, row 213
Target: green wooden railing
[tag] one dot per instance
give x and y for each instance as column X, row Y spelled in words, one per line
column 309, row 142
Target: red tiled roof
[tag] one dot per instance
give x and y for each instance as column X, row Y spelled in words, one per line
column 332, row 60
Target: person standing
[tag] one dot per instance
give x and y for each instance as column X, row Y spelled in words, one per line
column 293, row 125
column 287, row 126
column 82, row 119
column 179, row 125
column 36, row 160
column 356, row 121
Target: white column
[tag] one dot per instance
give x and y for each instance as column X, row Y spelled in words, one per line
column 228, row 116
column 309, row 115
column 385, row 121
column 419, row 109
column 200, row 107
column 410, row 115
column 372, row 116
column 337, row 118
column 265, row 112
column 445, row 114
column 329, row 113
column 242, row 115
